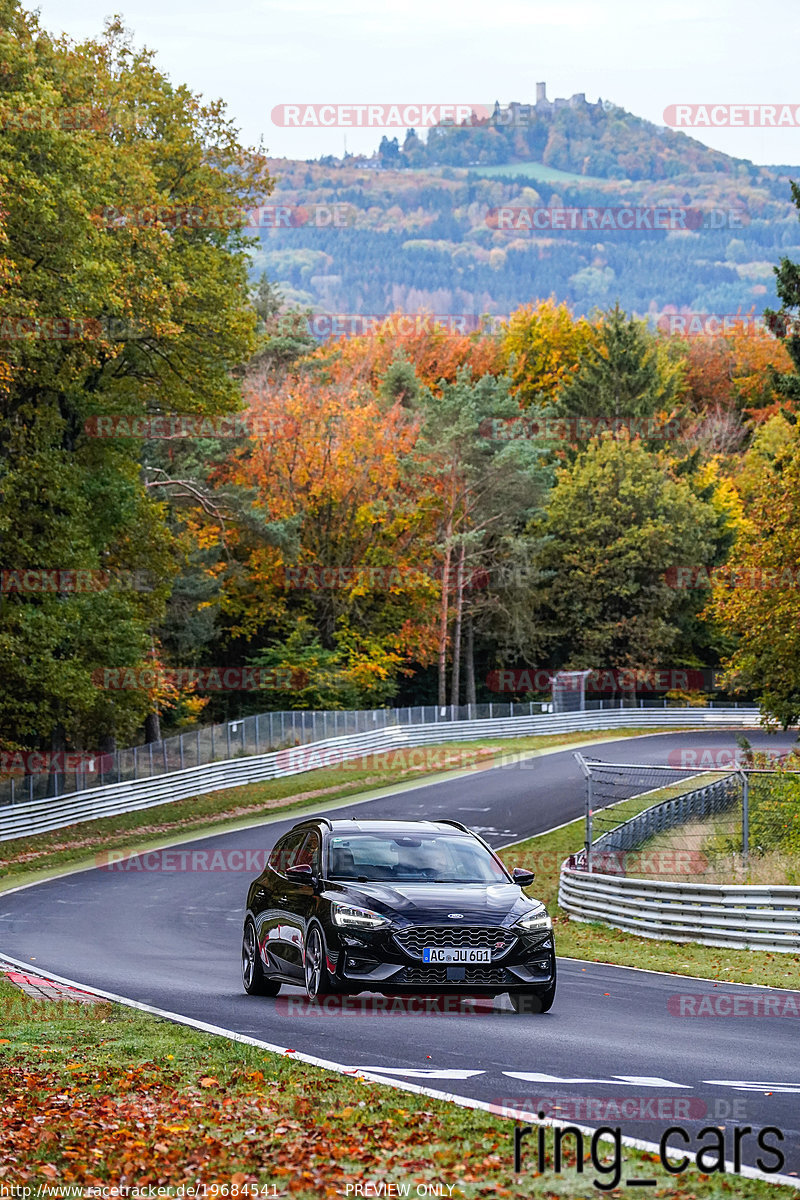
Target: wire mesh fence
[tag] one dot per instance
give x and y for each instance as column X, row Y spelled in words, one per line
column 257, row 734
column 704, row 824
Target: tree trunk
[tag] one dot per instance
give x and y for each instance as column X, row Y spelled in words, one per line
column 152, row 727
column 455, row 688
column 469, row 665
column 443, row 623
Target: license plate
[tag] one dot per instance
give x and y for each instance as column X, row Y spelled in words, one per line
column 455, row 954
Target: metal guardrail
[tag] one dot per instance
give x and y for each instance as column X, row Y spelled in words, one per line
column 40, row 816
column 738, row 916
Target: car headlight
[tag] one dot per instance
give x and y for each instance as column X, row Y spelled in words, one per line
column 350, row 917
column 536, row 921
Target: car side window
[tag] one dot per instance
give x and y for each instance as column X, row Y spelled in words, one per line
column 285, row 851
column 310, row 853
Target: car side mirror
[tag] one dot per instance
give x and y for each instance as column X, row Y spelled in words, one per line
column 302, row 873
column 522, row 877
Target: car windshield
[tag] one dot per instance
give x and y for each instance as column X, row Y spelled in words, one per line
column 412, row 858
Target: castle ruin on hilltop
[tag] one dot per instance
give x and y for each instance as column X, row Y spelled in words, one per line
column 522, row 114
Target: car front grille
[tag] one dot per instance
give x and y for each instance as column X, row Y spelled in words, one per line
column 483, row 976
column 417, row 937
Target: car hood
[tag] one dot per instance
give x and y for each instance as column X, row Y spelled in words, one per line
column 478, row 904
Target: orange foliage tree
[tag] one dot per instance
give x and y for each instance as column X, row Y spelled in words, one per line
column 357, row 563
column 436, row 352
column 733, row 372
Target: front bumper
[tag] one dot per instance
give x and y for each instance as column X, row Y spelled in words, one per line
column 377, row 962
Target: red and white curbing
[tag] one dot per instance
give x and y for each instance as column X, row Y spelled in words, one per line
column 40, row 988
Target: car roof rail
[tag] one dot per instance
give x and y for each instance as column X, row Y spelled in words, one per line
column 455, row 824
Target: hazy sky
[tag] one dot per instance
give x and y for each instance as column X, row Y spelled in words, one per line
column 260, row 53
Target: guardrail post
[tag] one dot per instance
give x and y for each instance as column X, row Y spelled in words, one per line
column 135, row 765
column 228, row 737
column 180, row 747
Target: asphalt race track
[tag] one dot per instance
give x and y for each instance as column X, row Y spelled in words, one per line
column 172, row 940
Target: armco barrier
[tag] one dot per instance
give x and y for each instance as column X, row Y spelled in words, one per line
column 39, row 816
column 737, row 916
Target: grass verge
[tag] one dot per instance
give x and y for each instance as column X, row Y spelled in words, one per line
column 26, row 859
column 110, row 1097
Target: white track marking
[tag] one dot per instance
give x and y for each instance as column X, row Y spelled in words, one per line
column 613, row 1081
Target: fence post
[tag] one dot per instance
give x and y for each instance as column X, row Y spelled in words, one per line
column 180, row 746
column 745, row 819
column 587, row 844
column 228, row 738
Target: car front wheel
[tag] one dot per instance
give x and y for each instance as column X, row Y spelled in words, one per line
column 256, row 983
column 318, row 980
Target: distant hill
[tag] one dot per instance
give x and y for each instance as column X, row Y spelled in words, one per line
column 422, row 233
column 597, row 140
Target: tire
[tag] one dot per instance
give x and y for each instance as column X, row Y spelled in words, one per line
column 255, row 982
column 318, row 980
column 537, row 1000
